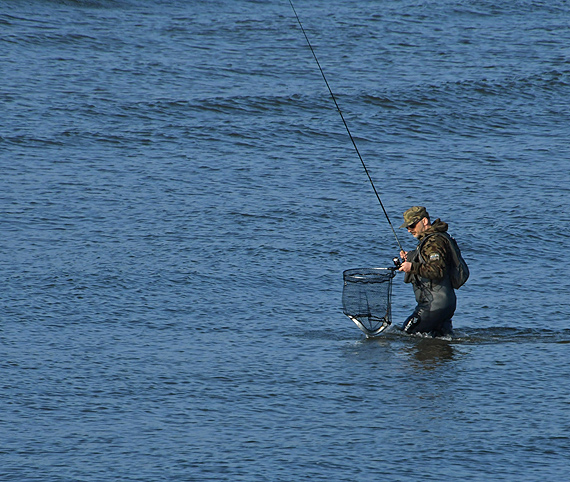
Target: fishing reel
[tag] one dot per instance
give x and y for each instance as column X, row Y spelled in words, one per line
column 397, row 262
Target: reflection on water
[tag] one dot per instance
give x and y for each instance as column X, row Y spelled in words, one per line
column 431, row 352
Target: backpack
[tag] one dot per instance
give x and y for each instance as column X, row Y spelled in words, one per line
column 459, row 272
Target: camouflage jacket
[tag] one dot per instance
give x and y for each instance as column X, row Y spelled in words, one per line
column 433, row 253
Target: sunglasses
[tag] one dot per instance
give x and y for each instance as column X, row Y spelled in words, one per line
column 412, row 226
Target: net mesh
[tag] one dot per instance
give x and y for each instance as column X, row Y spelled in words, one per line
column 366, row 298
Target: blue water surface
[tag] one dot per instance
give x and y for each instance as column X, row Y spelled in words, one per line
column 180, row 197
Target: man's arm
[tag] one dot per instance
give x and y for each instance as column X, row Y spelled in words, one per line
column 434, row 255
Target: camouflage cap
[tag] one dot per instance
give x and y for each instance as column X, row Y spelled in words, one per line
column 413, row 215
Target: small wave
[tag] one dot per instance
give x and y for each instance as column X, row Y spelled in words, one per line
column 510, row 335
column 475, row 336
column 98, row 4
column 249, row 104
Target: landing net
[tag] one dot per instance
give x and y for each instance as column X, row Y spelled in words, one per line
column 366, row 298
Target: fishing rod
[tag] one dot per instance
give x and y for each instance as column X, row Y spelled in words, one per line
column 346, row 125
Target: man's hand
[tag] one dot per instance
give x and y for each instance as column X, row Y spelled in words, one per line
column 406, row 267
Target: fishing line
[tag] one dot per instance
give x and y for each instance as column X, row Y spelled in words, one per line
column 346, row 125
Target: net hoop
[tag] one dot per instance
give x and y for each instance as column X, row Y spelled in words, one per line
column 366, row 298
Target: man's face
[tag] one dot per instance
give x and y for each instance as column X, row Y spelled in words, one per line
column 416, row 229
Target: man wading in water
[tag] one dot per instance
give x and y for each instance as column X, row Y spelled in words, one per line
column 428, row 269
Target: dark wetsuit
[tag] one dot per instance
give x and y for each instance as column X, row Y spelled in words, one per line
column 429, row 276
